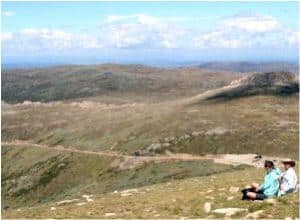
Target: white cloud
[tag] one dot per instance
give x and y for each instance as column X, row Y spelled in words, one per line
column 6, row 36
column 137, row 18
column 48, row 34
column 141, row 30
column 88, row 42
column 222, row 39
column 148, row 32
column 8, row 13
column 47, row 38
column 124, row 35
column 245, row 32
column 251, row 24
column 44, row 39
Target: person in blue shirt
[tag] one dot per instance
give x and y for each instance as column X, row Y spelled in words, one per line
column 268, row 188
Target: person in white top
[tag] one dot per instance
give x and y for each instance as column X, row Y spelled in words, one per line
column 288, row 179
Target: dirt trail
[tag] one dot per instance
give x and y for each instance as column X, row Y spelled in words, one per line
column 128, row 162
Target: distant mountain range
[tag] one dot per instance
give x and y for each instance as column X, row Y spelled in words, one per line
column 251, row 66
column 241, row 67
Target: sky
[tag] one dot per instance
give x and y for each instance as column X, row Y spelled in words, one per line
column 149, row 32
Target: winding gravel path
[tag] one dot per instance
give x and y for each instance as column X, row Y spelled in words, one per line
column 127, row 161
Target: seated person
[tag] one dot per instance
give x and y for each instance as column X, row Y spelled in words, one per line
column 288, row 179
column 268, row 188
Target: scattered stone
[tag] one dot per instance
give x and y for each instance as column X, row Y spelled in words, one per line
column 87, row 196
column 156, row 215
column 116, row 191
column 288, row 218
column 18, row 210
column 196, row 133
column 271, row 201
column 234, row 189
column 254, row 215
column 258, row 201
column 110, row 214
column 126, row 194
column 63, row 202
column 229, row 211
column 283, row 123
column 154, row 147
column 221, row 189
column 81, row 203
column 210, row 197
column 229, row 198
column 52, row 208
column 174, row 200
column 209, row 191
column 61, row 165
column 217, row 131
column 129, row 191
column 148, row 209
column 169, row 139
column 207, row 207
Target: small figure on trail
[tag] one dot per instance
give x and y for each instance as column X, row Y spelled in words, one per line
column 288, row 179
column 137, row 153
column 268, row 188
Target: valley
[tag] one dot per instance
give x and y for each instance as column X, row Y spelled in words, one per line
column 171, row 136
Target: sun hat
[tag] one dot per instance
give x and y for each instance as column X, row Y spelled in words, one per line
column 289, row 161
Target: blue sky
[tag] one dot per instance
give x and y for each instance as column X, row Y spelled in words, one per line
column 149, row 31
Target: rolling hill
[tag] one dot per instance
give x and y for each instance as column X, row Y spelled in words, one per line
column 120, row 81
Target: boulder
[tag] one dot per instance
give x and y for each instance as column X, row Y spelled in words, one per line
column 229, row 211
column 207, row 207
column 110, row 214
column 254, row 215
column 271, row 201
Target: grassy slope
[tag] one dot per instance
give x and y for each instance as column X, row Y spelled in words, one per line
column 32, row 176
column 258, row 124
column 174, row 199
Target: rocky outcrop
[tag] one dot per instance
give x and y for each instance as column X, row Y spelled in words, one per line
column 270, row 83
